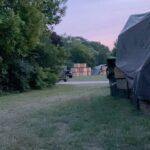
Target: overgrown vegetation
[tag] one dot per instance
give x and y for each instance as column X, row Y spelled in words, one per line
column 29, row 57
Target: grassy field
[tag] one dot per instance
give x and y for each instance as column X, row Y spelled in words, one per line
column 89, row 78
column 71, row 118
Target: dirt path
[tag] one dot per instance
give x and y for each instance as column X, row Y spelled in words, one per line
column 82, row 82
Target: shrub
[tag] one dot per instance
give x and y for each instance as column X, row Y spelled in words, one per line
column 42, row 77
column 19, row 74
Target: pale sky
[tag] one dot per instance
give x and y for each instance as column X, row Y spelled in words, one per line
column 99, row 20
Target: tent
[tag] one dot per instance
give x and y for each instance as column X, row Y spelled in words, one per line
column 133, row 54
column 96, row 70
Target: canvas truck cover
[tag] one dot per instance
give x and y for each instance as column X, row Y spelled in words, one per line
column 133, row 54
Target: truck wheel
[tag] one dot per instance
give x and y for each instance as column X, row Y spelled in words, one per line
column 65, row 80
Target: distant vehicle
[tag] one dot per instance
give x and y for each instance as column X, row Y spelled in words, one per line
column 100, row 69
column 131, row 72
column 68, row 73
column 65, row 74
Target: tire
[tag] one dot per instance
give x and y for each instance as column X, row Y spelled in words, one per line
column 70, row 76
column 65, row 80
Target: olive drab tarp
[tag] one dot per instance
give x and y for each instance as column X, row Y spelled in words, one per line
column 133, row 54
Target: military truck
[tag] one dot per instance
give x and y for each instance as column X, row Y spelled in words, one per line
column 132, row 66
column 65, row 74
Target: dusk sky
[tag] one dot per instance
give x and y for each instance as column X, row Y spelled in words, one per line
column 99, row 20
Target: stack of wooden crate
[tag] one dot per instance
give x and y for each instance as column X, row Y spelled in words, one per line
column 81, row 70
column 121, row 80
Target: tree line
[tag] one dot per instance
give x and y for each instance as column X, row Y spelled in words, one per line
column 80, row 50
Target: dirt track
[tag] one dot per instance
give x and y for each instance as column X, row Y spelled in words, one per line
column 82, row 82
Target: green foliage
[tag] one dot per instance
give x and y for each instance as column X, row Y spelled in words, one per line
column 43, row 77
column 19, row 74
column 82, row 51
column 113, row 53
column 47, row 55
column 15, row 75
column 81, row 54
column 28, row 58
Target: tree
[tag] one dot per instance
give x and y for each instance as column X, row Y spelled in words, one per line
column 113, row 53
column 81, row 50
column 102, row 52
column 23, row 28
column 23, row 22
column 81, row 54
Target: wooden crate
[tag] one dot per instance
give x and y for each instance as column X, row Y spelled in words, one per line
column 76, row 65
column 76, row 74
column 83, row 65
column 85, row 73
column 89, row 73
column 118, row 73
column 103, row 73
column 89, row 69
column 82, row 70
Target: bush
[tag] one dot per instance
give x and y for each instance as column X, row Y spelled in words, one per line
column 14, row 76
column 18, row 75
column 30, row 54
column 42, row 77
